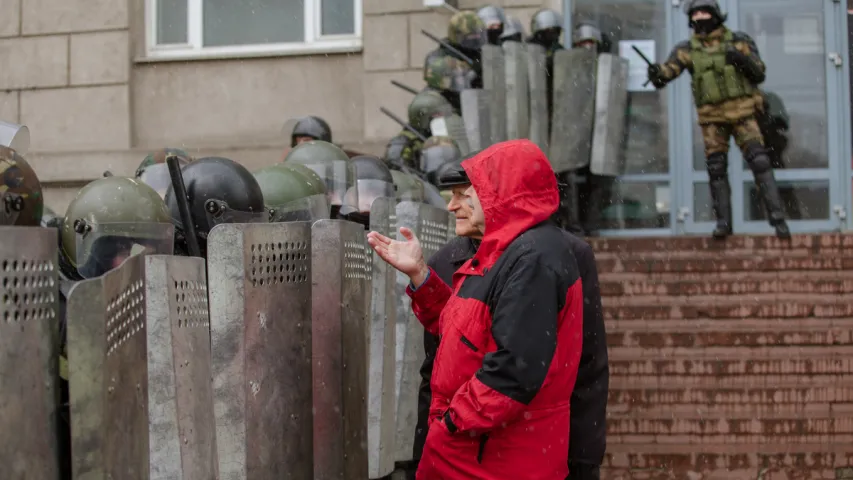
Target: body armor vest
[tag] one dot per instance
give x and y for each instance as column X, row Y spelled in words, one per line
column 714, row 80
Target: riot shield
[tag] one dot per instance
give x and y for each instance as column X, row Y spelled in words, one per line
column 259, row 276
column 431, row 226
column 108, row 374
column 537, row 74
column 517, row 93
column 476, row 110
column 574, row 109
column 494, row 82
column 454, row 127
column 28, row 352
column 341, row 271
column 383, row 319
column 182, row 431
column 611, row 110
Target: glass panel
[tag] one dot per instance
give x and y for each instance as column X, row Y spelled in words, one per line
column 623, row 22
column 802, row 200
column 789, row 35
column 251, row 22
column 702, row 208
column 338, row 17
column 637, row 205
column 171, row 22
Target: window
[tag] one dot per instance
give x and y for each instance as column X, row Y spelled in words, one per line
column 222, row 28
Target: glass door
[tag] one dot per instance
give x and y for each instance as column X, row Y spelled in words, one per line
column 799, row 41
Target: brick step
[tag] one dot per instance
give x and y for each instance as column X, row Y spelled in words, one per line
column 744, row 411
column 621, row 366
column 745, row 283
column 623, row 398
column 737, row 382
column 745, row 332
column 726, row 307
column 654, row 263
column 735, row 428
column 828, row 242
column 722, row 456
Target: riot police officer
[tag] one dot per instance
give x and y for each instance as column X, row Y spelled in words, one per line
column 293, row 192
column 333, row 166
column 219, row 190
column 154, row 172
column 447, row 72
column 437, row 152
column 726, row 70
column 310, row 128
column 405, row 148
column 494, row 19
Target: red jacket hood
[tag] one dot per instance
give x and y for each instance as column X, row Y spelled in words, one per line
column 517, row 189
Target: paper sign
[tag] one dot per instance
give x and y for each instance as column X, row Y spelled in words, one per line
column 637, row 67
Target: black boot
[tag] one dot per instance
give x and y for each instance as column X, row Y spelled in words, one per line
column 721, row 196
column 769, row 191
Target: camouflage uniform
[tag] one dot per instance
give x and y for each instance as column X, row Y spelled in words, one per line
column 726, row 68
column 446, row 72
column 404, row 149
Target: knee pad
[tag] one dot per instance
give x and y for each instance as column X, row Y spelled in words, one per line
column 717, row 165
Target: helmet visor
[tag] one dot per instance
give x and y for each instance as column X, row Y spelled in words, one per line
column 368, row 191
column 105, row 246
column 307, row 209
column 434, row 157
column 473, row 40
column 432, row 196
column 16, row 137
column 587, row 32
column 11, row 205
column 218, row 213
column 157, row 177
column 339, row 177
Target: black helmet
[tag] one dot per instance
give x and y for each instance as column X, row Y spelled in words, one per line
column 219, row 190
column 313, row 127
column 373, row 180
column 710, row 6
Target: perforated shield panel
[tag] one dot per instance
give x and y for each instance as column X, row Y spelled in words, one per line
column 432, row 228
column 28, row 352
column 108, row 379
column 341, row 271
column 259, row 276
column 183, row 430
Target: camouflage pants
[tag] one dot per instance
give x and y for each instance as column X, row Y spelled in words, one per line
column 716, row 135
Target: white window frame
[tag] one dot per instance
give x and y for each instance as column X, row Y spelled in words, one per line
column 315, row 42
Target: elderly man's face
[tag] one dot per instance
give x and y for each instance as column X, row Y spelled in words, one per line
column 478, row 217
column 458, row 206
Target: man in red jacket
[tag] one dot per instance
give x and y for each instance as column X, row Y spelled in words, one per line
column 510, row 327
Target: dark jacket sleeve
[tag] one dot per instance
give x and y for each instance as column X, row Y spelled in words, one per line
column 747, row 59
column 588, row 434
column 525, row 314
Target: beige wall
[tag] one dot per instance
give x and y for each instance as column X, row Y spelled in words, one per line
column 94, row 103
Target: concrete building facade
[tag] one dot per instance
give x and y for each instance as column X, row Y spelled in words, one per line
column 100, row 83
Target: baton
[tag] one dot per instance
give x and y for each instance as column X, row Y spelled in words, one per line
column 404, row 87
column 645, row 58
column 180, row 191
column 402, row 123
column 450, row 48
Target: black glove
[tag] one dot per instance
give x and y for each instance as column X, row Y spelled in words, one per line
column 745, row 64
column 735, row 57
column 656, row 75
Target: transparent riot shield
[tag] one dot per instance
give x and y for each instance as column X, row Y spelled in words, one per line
column 432, row 227
column 182, row 434
column 381, row 406
column 16, row 137
column 341, row 272
column 29, row 315
column 108, row 374
column 611, row 109
column 452, row 126
column 476, row 110
column 494, row 82
column 259, row 276
column 574, row 108
column 517, row 90
column 537, row 74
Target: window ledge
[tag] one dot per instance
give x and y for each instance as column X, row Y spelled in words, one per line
column 252, row 51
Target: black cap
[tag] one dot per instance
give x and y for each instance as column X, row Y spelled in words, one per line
column 451, row 175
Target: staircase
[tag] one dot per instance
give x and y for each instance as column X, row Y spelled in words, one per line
column 729, row 360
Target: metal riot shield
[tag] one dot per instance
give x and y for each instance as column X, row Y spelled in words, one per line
column 454, row 127
column 611, row 111
column 517, row 92
column 182, row 433
column 381, row 409
column 341, row 270
column 574, row 109
column 108, row 374
column 476, row 110
column 494, row 82
column 537, row 74
column 29, row 360
column 431, row 226
column 259, row 277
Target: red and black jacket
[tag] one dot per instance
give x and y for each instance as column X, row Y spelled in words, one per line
column 511, row 332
